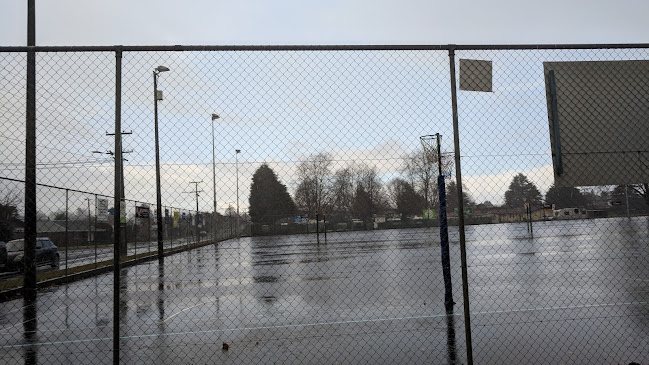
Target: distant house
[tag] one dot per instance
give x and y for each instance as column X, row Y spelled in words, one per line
column 378, row 219
column 596, row 213
column 570, row 213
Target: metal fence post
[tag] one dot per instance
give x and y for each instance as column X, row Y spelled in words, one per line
column 95, row 235
column 29, row 285
column 458, row 177
column 118, row 207
column 148, row 229
column 135, row 228
column 67, row 238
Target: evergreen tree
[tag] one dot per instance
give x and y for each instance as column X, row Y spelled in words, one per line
column 269, row 198
column 521, row 190
column 406, row 199
column 363, row 207
column 451, row 197
column 566, row 197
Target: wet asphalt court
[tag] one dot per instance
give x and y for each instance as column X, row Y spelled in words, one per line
column 575, row 293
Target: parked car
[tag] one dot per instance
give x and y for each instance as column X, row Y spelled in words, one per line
column 46, row 253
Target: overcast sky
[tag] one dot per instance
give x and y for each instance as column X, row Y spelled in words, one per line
column 265, row 22
column 347, row 98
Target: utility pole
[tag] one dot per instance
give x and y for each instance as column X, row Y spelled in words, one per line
column 89, row 222
column 196, row 192
column 121, row 209
column 237, row 167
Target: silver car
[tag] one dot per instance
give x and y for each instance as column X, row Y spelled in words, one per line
column 46, row 253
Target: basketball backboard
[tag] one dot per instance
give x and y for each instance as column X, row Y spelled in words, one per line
column 598, row 114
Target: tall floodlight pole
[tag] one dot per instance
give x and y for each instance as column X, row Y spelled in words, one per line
column 214, row 117
column 158, row 96
column 237, row 164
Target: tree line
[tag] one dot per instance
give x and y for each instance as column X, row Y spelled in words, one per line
column 357, row 191
column 522, row 190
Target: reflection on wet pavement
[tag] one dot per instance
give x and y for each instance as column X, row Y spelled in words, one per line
column 363, row 297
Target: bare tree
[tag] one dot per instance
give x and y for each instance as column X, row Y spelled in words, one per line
column 343, row 193
column 421, row 171
column 9, row 205
column 313, row 192
column 642, row 190
column 8, row 214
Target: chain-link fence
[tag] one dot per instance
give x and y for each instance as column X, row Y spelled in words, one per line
column 443, row 204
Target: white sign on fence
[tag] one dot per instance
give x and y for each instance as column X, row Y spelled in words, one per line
column 102, row 210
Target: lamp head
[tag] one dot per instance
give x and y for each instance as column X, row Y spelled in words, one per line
column 162, row 69
column 237, row 151
column 215, row 117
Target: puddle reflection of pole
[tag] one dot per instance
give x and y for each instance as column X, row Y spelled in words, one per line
column 161, row 302
column 160, row 339
column 96, row 300
column 123, row 307
column 528, row 218
column 450, row 339
column 67, row 308
column 30, row 326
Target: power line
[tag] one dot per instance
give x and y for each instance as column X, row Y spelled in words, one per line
column 44, row 146
column 53, row 164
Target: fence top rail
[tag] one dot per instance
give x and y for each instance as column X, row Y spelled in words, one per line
column 90, row 193
column 447, row 47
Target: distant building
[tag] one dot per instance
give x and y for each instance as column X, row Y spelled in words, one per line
column 513, row 215
column 570, row 213
column 78, row 233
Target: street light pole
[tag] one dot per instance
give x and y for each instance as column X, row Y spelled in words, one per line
column 237, row 164
column 157, row 72
column 214, row 117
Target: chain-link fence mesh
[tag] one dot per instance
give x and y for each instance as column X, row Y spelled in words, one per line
column 301, row 217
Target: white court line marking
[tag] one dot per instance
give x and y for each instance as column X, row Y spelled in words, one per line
column 303, row 325
column 188, row 308
column 557, row 308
